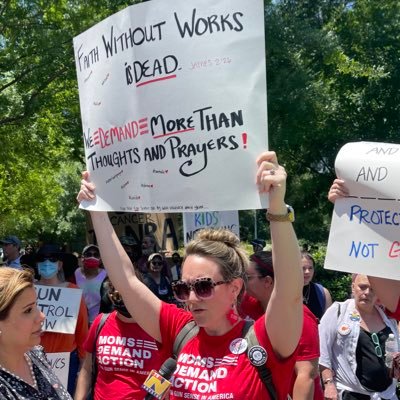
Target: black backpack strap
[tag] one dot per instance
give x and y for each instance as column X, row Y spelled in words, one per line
column 94, row 363
column 188, row 331
column 263, row 371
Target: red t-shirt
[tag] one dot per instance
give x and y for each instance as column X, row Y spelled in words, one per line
column 56, row 342
column 395, row 314
column 309, row 348
column 212, row 367
column 125, row 356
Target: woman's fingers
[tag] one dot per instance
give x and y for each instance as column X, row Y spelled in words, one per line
column 269, row 174
column 87, row 188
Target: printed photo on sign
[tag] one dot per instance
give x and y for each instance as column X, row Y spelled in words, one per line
column 173, row 106
column 60, row 306
column 364, row 236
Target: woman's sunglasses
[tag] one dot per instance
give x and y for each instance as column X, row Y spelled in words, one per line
column 89, row 254
column 42, row 258
column 202, row 287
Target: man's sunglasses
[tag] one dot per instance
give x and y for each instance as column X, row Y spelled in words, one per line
column 202, row 287
column 41, row 258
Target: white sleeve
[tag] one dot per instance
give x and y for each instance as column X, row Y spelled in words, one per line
column 327, row 335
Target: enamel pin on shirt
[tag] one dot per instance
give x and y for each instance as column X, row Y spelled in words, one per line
column 238, row 346
column 344, row 329
column 355, row 316
column 258, row 356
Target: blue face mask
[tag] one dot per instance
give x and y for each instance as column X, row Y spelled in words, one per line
column 48, row 269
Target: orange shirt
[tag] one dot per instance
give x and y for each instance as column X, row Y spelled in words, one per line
column 54, row 342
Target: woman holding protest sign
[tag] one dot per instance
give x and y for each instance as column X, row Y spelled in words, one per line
column 24, row 371
column 212, row 284
column 387, row 290
column 50, row 264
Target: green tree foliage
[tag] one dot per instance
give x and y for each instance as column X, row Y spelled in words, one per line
column 332, row 73
column 41, row 148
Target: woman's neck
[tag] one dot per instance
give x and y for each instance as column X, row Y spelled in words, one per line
column 90, row 272
column 125, row 319
column 12, row 359
column 156, row 275
column 371, row 320
column 55, row 281
column 221, row 329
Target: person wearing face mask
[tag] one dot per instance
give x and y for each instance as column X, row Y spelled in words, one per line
column 156, row 280
column 50, row 267
column 89, row 278
column 138, row 354
column 133, row 250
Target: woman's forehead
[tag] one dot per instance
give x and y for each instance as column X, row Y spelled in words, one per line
column 197, row 266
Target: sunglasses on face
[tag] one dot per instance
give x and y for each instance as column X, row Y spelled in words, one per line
column 250, row 276
column 378, row 348
column 203, row 288
column 51, row 258
column 92, row 254
column 157, row 263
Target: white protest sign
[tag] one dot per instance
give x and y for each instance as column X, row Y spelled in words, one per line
column 365, row 230
column 60, row 305
column 193, row 222
column 173, row 105
column 60, row 365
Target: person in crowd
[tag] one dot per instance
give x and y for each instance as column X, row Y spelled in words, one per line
column 306, row 383
column 156, row 280
column 11, row 251
column 138, row 355
column 70, row 265
column 29, row 249
column 50, row 266
column 24, row 371
column 387, row 290
column 89, row 278
column 316, row 297
column 212, row 283
column 258, row 245
column 131, row 248
column 352, row 343
column 149, row 246
column 176, row 267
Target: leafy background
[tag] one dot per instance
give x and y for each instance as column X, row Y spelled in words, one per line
column 333, row 77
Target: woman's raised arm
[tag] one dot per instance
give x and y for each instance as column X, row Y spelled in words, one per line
column 142, row 304
column 284, row 315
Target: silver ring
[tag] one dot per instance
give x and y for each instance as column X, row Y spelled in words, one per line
column 272, row 172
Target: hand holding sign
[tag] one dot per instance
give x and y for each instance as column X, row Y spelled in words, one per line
column 169, row 96
column 365, row 234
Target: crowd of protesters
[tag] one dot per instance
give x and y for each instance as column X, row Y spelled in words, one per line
column 136, row 302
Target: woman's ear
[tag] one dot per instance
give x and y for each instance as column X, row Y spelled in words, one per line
column 269, row 282
column 237, row 285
